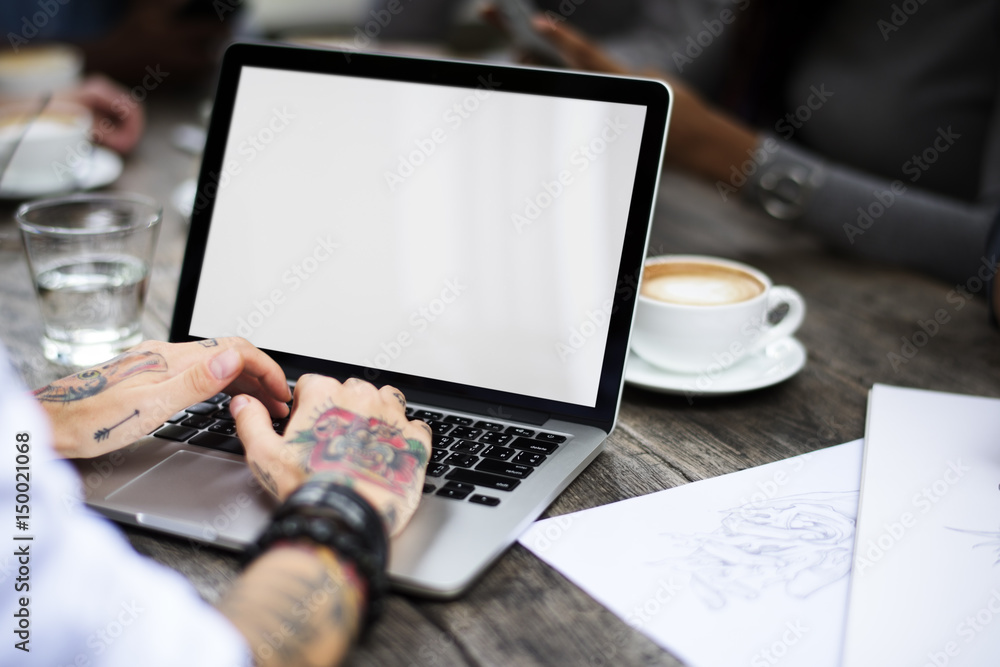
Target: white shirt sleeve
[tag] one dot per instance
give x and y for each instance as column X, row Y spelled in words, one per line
column 73, row 592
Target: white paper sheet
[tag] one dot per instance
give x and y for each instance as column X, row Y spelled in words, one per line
column 926, row 584
column 749, row 568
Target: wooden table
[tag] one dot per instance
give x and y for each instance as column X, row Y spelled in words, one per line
column 522, row 612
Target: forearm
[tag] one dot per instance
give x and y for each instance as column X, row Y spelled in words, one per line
column 296, row 605
column 888, row 220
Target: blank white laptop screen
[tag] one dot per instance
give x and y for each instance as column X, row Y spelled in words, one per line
column 422, row 229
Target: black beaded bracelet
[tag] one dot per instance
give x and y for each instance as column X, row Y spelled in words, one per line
column 337, row 517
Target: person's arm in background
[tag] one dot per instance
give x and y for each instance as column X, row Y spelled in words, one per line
column 940, row 235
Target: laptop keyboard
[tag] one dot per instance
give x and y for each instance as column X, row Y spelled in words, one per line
column 472, row 460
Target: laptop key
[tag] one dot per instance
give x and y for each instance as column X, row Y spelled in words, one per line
column 490, row 426
column 203, row 408
column 467, row 447
column 439, row 427
column 175, row 432
column 461, row 486
column 438, row 455
column 519, row 432
column 225, row 428
column 466, row 432
column 454, row 494
column 218, row 398
column 550, row 437
column 426, row 415
column 179, row 417
column 428, row 487
column 198, row 421
column 498, row 453
column 504, row 468
column 484, row 500
column 529, row 458
column 437, row 469
column 485, row 479
column 461, row 460
column 532, row 445
column 495, row 438
column 461, row 421
column 218, row 441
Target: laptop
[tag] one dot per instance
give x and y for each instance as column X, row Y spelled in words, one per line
column 470, row 233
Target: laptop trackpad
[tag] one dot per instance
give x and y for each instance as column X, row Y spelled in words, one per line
column 197, row 495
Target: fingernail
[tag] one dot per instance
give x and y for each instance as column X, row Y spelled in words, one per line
column 237, row 404
column 225, row 365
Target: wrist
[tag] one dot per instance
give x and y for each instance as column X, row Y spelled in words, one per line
column 337, row 518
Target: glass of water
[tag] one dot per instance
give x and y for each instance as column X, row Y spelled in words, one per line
column 89, row 256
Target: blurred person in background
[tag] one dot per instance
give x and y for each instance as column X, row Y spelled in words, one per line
column 874, row 125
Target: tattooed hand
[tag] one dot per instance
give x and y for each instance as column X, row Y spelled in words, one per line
column 112, row 405
column 352, row 433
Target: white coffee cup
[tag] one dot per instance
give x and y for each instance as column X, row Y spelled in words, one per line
column 55, row 147
column 32, row 71
column 697, row 313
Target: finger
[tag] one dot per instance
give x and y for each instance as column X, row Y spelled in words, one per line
column 393, row 397
column 419, row 431
column 264, row 447
column 306, row 383
column 263, row 368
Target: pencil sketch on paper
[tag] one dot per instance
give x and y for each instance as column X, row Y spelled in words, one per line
column 992, row 539
column 801, row 542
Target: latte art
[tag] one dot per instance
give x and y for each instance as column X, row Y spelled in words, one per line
column 696, row 284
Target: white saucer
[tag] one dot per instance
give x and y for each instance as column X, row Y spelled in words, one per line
column 775, row 363
column 103, row 168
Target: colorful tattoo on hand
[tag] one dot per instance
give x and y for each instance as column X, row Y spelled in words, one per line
column 95, row 380
column 343, row 442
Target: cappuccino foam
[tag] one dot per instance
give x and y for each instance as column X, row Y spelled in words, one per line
column 696, row 284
